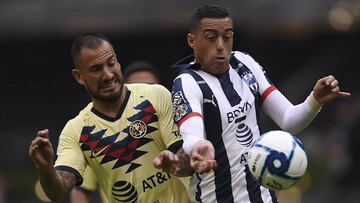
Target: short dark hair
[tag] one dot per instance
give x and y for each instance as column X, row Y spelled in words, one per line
column 207, row 11
column 139, row 66
column 87, row 40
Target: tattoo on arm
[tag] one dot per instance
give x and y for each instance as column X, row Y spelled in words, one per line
column 68, row 180
column 58, row 184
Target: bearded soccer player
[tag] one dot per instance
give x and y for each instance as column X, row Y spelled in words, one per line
column 118, row 134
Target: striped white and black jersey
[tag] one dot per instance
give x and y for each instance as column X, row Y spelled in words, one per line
column 224, row 110
column 227, row 106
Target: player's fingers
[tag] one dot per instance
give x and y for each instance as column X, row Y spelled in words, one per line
column 43, row 133
column 39, row 141
column 334, row 83
column 344, row 94
column 213, row 164
column 195, row 165
column 329, row 79
column 157, row 162
column 196, row 156
column 335, row 90
column 32, row 149
column 206, row 166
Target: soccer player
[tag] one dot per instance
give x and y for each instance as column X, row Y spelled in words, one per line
column 118, row 134
column 136, row 72
column 217, row 95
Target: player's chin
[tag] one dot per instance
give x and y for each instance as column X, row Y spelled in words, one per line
column 109, row 96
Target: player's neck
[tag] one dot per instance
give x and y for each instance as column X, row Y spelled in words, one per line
column 111, row 109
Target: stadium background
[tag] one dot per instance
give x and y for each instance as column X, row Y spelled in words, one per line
column 297, row 42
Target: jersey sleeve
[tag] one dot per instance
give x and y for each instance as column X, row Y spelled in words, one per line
column 168, row 129
column 188, row 110
column 90, row 182
column 289, row 117
column 70, row 156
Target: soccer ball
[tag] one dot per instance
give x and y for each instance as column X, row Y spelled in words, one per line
column 277, row 160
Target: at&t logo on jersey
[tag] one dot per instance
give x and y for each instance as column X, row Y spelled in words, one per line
column 124, row 191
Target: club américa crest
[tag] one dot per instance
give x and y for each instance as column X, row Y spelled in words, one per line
column 138, row 129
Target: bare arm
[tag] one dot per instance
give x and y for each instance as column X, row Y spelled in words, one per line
column 78, row 195
column 56, row 184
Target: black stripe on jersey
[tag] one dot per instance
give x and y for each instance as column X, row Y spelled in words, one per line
column 228, row 88
column 71, row 170
column 174, row 147
column 118, row 115
column 252, row 187
column 213, row 129
column 273, row 196
column 243, row 70
column 198, row 189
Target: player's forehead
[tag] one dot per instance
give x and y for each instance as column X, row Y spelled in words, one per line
column 98, row 55
column 215, row 24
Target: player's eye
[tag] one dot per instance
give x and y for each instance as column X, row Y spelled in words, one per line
column 95, row 68
column 211, row 37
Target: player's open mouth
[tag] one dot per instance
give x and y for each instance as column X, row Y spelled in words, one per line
column 109, row 85
column 220, row 59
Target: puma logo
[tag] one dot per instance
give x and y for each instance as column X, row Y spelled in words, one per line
column 212, row 101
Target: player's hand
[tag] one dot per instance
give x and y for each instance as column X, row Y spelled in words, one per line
column 167, row 161
column 41, row 151
column 202, row 157
column 327, row 89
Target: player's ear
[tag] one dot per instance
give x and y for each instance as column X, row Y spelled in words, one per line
column 190, row 40
column 78, row 76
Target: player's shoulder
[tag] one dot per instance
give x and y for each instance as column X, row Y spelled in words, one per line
column 248, row 61
column 83, row 114
column 242, row 56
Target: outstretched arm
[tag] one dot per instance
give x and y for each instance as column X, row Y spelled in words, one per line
column 56, row 184
column 294, row 118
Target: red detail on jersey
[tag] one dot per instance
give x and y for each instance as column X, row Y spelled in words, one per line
column 192, row 114
column 129, row 157
column 134, row 144
column 266, row 93
column 117, row 153
column 147, row 118
column 84, row 137
column 149, row 109
column 92, row 144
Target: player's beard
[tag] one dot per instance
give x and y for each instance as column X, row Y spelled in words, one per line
column 108, row 99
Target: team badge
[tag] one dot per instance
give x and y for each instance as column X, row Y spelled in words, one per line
column 180, row 112
column 250, row 80
column 178, row 98
column 138, row 129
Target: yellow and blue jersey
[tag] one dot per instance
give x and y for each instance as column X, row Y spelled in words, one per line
column 121, row 150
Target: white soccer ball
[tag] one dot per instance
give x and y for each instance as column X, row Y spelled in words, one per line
column 277, row 160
